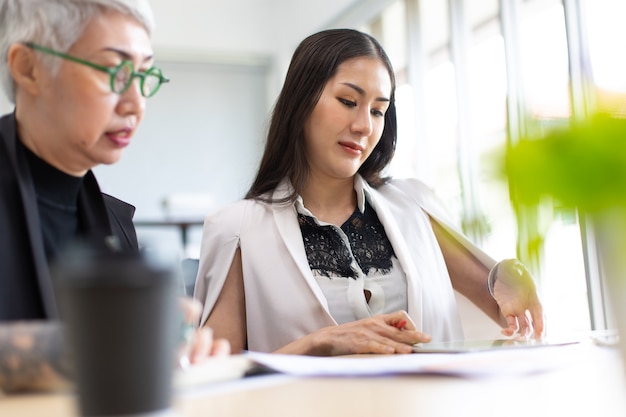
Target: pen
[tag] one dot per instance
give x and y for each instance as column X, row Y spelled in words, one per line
column 187, row 333
column 190, row 312
column 400, row 325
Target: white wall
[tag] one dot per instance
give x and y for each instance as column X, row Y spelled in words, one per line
column 238, row 26
column 5, row 106
column 202, row 133
column 201, row 137
column 227, row 29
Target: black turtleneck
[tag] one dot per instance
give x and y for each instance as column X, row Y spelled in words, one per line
column 57, row 201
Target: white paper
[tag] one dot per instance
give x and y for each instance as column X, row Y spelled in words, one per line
column 485, row 363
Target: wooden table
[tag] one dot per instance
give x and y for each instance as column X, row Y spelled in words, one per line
column 595, row 386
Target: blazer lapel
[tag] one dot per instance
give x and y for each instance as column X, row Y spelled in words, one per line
column 394, row 233
column 288, row 227
column 29, row 202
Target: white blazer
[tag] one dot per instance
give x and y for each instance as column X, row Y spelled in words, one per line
column 283, row 300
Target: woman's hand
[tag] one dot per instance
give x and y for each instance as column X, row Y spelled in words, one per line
column 386, row 333
column 199, row 344
column 515, row 293
column 203, row 346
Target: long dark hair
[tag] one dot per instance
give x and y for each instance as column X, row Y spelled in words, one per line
column 314, row 62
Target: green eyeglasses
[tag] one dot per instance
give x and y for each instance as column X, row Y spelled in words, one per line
column 121, row 76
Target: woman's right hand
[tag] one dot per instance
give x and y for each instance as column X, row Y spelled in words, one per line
column 198, row 344
column 385, row 333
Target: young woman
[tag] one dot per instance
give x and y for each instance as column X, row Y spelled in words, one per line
column 325, row 256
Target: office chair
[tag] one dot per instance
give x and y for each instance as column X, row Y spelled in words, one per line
column 189, row 268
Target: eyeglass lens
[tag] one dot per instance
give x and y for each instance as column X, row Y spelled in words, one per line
column 122, row 77
column 150, row 81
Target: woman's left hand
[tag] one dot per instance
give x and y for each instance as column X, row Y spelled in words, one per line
column 516, row 295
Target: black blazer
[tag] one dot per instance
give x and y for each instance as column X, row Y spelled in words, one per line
column 26, row 290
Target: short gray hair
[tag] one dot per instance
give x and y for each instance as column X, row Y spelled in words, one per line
column 56, row 24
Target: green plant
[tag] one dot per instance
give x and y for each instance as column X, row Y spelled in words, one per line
column 583, row 166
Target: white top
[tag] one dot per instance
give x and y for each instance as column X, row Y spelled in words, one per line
column 346, row 295
column 284, row 301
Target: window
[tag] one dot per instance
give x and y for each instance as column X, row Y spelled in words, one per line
column 473, row 74
column 606, row 33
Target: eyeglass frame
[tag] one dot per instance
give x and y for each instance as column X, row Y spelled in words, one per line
column 112, row 71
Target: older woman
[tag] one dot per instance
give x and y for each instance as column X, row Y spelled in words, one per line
column 79, row 73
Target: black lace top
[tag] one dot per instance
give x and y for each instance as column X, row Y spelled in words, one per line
column 330, row 256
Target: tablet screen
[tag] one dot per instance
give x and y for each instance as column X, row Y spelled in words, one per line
column 459, row 346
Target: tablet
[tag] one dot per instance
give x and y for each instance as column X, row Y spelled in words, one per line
column 460, row 346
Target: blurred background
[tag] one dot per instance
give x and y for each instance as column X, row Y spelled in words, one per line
column 473, row 75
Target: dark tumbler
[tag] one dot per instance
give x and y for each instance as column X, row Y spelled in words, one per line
column 120, row 314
